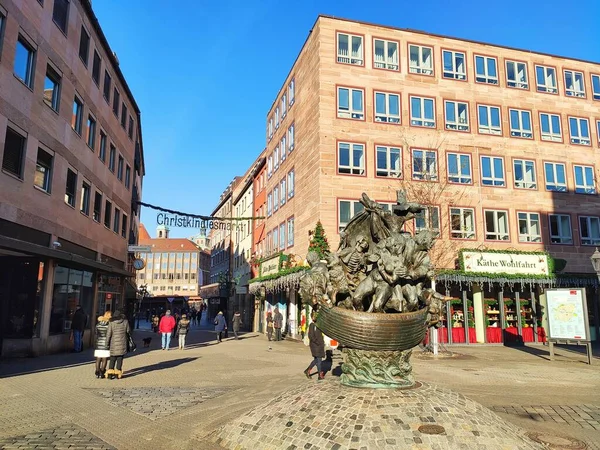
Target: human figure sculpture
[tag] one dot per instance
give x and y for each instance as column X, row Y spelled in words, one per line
column 313, row 285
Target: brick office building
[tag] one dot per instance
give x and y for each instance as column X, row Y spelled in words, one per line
column 502, row 143
column 72, row 168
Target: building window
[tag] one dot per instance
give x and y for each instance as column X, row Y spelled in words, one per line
column 492, row 171
column 283, row 106
column 560, row 229
column 117, row 220
column 270, row 128
column 123, row 115
column 102, row 154
column 85, row 198
column 91, row 132
column 283, row 148
column 111, row 158
column 124, row 226
column 120, row 168
column 579, row 130
column 127, row 176
column 107, row 85
column 275, row 244
column 420, row 59
column 292, row 91
column 290, row 183
column 574, row 85
column 290, row 134
column 385, row 54
column 524, row 174
column 350, row 49
column 550, row 126
column 96, row 68
column 516, row 75
column 496, row 225
column 459, row 168
column 43, row 170
column 589, row 230
column 70, row 188
column 545, row 79
column 14, row 153
column 556, row 180
column 347, row 210
column 456, row 115
column 584, row 180
column 428, row 219
column 130, row 128
column 283, row 190
column 116, row 102
column 77, row 118
column 529, row 227
column 387, row 107
column 489, row 120
column 520, row 123
column 107, row 213
column 269, row 166
column 351, row 158
column 97, row 206
column 275, row 159
column 351, row 103
column 84, row 46
column 24, row 62
column 389, row 161
column 422, row 112
column 277, row 118
column 596, row 86
column 282, row 236
column 290, row 232
column 52, row 88
column 275, row 198
column 424, row 165
column 486, row 69
column 269, row 204
column 60, row 14
column 462, row 223
column 454, row 65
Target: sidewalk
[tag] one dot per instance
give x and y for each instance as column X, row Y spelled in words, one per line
column 177, row 399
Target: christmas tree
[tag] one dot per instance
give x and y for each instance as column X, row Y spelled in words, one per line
column 318, row 242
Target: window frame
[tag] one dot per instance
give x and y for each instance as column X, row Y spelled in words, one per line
column 83, row 33
column 91, row 121
column 493, row 178
column 387, row 115
column 498, row 234
column 579, row 120
column 112, row 157
column 489, row 117
column 550, row 115
column 351, row 111
column 572, row 92
column 47, row 188
column 517, row 83
column 116, row 225
column 291, row 89
column 120, row 167
column 85, row 201
column 94, row 211
column 127, row 176
column 386, row 41
column 291, row 137
column 291, row 186
column 428, row 219
column 353, row 202
column 422, row 119
column 595, row 94
column 462, row 209
column 486, row 76
column 530, row 237
column 77, row 119
column 102, row 148
column 433, row 179
column 29, row 80
column 554, row 173
column 95, row 79
column 23, row 151
column 550, row 215
column 454, row 72
column 71, row 197
column 107, row 86
column 283, row 191
column 597, row 121
column 349, row 56
column 56, row 77
column 282, row 236
column 420, row 71
column 288, row 221
column 362, row 170
column 587, row 190
column 523, row 166
column 116, row 103
column 124, row 114
column 68, row 7
column 388, row 148
column 584, row 240
column 545, row 88
column 459, row 175
column 124, row 222
column 522, row 132
column 457, row 124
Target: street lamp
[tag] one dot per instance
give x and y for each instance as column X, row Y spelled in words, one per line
column 595, row 258
column 142, row 291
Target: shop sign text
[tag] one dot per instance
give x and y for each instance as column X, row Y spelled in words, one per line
column 509, row 263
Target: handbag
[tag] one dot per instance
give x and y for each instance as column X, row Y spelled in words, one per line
column 131, row 347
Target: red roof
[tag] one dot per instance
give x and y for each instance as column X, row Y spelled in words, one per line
column 143, row 233
column 166, row 245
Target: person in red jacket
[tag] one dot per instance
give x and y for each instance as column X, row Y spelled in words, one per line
column 166, row 327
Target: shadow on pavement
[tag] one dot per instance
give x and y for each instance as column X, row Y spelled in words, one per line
column 158, row 366
column 561, row 351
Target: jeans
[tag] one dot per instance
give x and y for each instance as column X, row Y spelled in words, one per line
column 270, row 333
column 166, row 340
column 315, row 362
column 181, row 341
column 77, row 340
column 277, row 334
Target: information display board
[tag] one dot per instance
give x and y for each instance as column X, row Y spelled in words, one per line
column 567, row 315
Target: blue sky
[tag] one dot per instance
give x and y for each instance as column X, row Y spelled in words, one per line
column 205, row 74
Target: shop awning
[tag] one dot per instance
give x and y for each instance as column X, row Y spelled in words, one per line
column 560, row 280
column 59, row 255
column 275, row 283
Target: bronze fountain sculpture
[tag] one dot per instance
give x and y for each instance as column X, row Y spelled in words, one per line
column 372, row 295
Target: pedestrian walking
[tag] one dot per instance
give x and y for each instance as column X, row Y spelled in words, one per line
column 117, row 337
column 155, row 320
column 236, row 323
column 102, row 353
column 165, row 328
column 270, row 326
column 200, row 314
column 317, row 348
column 182, row 328
column 277, row 324
column 78, row 323
column 220, row 326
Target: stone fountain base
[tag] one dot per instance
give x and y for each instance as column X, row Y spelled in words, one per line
column 327, row 415
column 377, row 368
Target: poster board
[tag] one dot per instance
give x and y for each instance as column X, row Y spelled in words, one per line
column 567, row 315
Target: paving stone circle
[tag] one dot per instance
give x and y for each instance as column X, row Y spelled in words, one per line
column 68, row 436
column 328, row 416
column 158, row 402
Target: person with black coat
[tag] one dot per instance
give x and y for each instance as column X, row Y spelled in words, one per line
column 116, row 338
column 317, row 348
column 78, row 323
column 102, row 353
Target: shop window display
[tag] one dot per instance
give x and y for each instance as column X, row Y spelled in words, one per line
column 72, row 287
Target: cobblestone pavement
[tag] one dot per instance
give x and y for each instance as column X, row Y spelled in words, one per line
column 51, row 393
column 68, row 436
column 584, row 416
